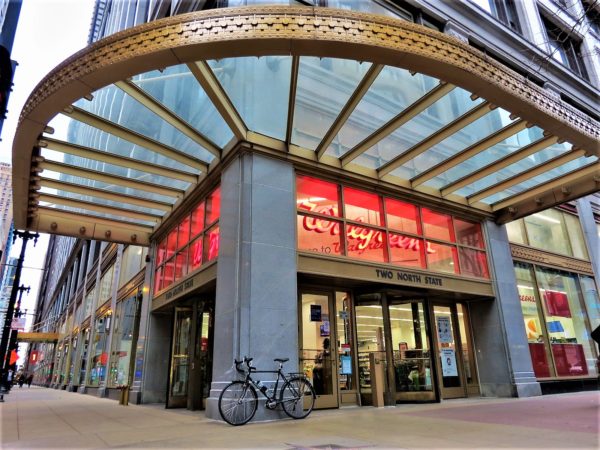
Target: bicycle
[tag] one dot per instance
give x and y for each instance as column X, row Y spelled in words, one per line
column 238, row 402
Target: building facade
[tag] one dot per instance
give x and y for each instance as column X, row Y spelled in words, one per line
column 328, row 185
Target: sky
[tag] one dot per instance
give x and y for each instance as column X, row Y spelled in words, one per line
column 48, row 32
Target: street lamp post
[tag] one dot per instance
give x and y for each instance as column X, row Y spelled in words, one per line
column 5, row 364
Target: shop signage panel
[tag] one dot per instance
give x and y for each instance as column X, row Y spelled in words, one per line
column 444, row 330
column 448, row 362
column 185, row 287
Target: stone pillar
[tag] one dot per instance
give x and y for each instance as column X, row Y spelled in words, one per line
column 256, row 300
column 501, row 348
column 590, row 233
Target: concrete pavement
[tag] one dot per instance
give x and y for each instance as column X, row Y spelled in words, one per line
column 47, row 418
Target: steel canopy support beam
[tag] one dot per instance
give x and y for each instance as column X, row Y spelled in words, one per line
column 135, row 138
column 292, row 99
column 101, row 193
column 110, row 179
column 168, row 116
column 90, row 206
column 437, row 137
column 400, row 119
column 353, row 101
column 500, row 164
column 118, row 160
column 574, row 176
column 205, row 76
column 484, row 144
column 533, row 172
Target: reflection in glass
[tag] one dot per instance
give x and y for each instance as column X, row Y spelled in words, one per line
column 122, row 350
column 259, row 89
column 320, row 78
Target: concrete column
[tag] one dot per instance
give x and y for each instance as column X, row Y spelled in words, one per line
column 501, row 348
column 256, row 300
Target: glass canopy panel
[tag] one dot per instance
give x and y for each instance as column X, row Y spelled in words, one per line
column 514, row 169
column 441, row 113
column 98, row 214
column 324, row 87
column 82, row 134
column 114, row 105
column 259, row 89
column 540, row 179
column 177, row 89
column 492, row 154
column 391, row 92
column 113, row 188
column 125, row 172
column 101, row 201
column 472, row 133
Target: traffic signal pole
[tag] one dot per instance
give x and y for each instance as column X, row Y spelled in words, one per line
column 6, row 331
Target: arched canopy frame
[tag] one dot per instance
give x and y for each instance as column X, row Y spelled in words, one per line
column 452, row 163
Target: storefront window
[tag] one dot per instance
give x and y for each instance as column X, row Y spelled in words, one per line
column 361, row 206
column 575, row 234
column 106, row 285
column 89, row 302
column 121, row 352
column 546, row 230
column 516, row 232
column 189, row 244
column 533, row 321
column 402, row 216
column 437, row 226
column 565, row 322
column 99, row 352
column 132, row 262
column 442, row 258
column 320, row 230
column 317, row 196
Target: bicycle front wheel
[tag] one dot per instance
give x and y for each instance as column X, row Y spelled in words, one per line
column 238, row 403
column 297, row 398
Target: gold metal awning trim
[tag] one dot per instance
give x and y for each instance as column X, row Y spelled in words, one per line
column 194, row 38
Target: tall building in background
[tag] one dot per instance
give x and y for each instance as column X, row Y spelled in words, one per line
column 409, row 182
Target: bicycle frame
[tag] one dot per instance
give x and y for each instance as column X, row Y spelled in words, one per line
column 281, row 376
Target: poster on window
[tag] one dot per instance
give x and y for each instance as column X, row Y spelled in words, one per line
column 315, row 313
column 444, row 330
column 448, row 363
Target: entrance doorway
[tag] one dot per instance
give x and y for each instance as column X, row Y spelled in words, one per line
column 327, row 347
column 449, row 350
column 191, row 355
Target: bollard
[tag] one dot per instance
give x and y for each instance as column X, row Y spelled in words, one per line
column 124, row 397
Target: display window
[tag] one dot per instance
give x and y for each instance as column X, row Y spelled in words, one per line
column 555, row 322
column 122, row 348
column 404, row 235
column 191, row 243
column 99, row 352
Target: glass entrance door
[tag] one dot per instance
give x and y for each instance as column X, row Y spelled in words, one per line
column 370, row 337
column 449, row 351
column 347, row 380
column 318, row 357
column 180, row 358
column 410, row 351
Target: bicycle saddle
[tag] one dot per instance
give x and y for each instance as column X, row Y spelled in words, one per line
column 281, row 360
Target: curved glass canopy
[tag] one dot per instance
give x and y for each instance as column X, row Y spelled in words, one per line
column 124, row 156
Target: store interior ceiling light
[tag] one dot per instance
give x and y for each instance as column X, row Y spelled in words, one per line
column 109, row 153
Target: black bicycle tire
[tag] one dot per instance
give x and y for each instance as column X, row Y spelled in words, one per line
column 254, row 399
column 285, row 404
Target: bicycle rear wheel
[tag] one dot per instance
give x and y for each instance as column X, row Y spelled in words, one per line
column 297, row 397
column 238, row 403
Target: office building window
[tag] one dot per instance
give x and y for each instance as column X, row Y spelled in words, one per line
column 591, row 10
column 564, row 48
column 503, row 10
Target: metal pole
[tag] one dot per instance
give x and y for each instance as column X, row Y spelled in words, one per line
column 4, row 366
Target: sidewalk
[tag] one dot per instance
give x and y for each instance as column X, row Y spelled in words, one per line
column 47, row 418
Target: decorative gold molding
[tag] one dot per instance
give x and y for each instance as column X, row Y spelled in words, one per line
column 541, row 257
column 311, row 27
